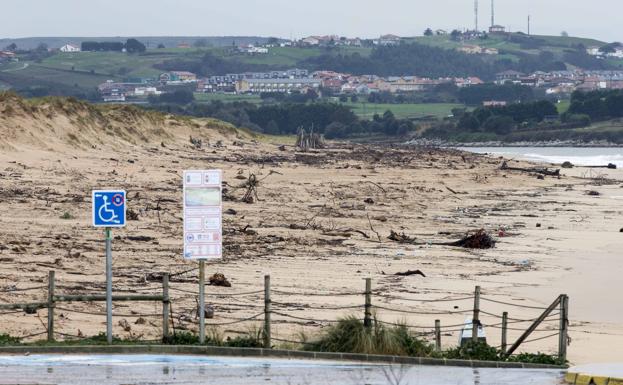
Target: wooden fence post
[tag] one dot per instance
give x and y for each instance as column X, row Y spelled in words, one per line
column 564, row 324
column 367, row 315
column 267, row 336
column 438, row 335
column 533, row 327
column 504, row 330
column 51, row 285
column 165, row 307
column 476, row 317
column 202, row 302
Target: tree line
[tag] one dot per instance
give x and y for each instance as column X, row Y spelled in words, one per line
column 598, row 105
column 331, row 119
column 130, row 46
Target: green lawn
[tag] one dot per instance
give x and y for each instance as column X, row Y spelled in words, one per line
column 563, row 106
column 438, row 110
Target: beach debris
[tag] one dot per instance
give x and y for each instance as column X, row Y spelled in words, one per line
column 132, row 215
column 538, row 225
column 139, row 238
column 478, row 240
column 593, row 193
column 306, row 141
column 400, row 238
column 369, row 201
column 218, row 279
column 230, row 212
column 536, row 170
column 621, row 231
column 209, row 312
column 250, row 195
column 567, row 164
column 140, row 321
column 411, row 272
column 612, row 166
column 282, row 147
column 125, row 325
column 198, row 143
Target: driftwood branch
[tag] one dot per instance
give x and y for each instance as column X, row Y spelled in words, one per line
column 536, row 170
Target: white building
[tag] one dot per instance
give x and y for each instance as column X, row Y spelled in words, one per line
column 70, row 48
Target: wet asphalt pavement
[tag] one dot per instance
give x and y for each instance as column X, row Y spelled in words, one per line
column 166, row 369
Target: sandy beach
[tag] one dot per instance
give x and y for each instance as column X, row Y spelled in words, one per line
column 320, row 224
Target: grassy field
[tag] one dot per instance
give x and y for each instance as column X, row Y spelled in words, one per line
column 555, row 44
column 291, row 56
column 66, row 77
column 437, row 110
column 563, row 106
column 115, row 64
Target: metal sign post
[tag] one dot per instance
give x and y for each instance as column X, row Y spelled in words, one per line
column 108, row 232
column 203, row 230
column 109, row 211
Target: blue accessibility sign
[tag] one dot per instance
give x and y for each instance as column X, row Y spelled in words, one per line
column 108, row 208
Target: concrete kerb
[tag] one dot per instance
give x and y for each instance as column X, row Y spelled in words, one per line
column 588, row 379
column 259, row 352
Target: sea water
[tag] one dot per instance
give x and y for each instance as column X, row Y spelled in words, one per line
column 579, row 156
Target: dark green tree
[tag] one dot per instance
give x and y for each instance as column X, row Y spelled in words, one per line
column 134, row 46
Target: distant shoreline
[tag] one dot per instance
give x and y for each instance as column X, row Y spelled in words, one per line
column 552, row 144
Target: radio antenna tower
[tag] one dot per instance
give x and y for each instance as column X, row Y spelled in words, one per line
column 492, row 13
column 476, row 15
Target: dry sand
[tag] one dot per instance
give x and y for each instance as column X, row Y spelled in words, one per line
column 300, row 231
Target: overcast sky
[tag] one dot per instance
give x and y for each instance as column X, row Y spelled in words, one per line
column 599, row 19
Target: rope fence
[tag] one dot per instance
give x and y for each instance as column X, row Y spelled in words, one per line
column 312, row 308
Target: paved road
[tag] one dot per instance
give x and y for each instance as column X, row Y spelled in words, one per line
column 23, row 67
column 153, row 369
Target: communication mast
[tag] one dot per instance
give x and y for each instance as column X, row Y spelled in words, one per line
column 492, row 13
column 475, row 15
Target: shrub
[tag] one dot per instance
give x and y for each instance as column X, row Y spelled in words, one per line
column 350, row 335
column 67, row 215
column 6, row 339
column 473, row 351
column 538, row 358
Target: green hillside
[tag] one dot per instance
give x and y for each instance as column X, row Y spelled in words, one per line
column 510, row 46
column 82, row 71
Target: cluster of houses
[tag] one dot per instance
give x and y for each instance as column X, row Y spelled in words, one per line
column 614, row 52
column 335, row 40
column 7, row 56
column 298, row 80
column 289, row 81
column 565, row 82
column 477, row 50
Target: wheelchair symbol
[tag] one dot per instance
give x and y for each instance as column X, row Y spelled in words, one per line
column 106, row 214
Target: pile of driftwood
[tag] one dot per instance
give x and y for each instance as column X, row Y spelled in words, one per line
column 306, row 141
column 479, row 240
